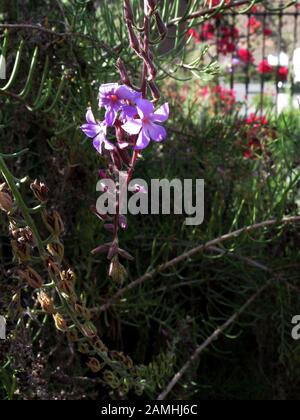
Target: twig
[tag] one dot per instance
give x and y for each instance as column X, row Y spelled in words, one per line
column 188, row 254
column 41, row 28
column 207, row 11
column 214, row 336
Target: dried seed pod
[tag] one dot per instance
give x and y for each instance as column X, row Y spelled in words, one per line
column 99, row 345
column 21, row 251
column 82, row 311
column 60, row 322
column 53, row 222
column 83, row 348
column 111, row 379
column 117, row 271
column 68, row 276
column 53, row 267
column 89, row 329
column 46, row 303
column 66, row 288
column 6, row 202
column 94, row 365
column 56, row 250
column 31, row 277
column 40, row 191
column 73, row 336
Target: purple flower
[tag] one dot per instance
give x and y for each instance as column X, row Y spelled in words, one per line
column 112, row 97
column 145, row 126
column 96, row 131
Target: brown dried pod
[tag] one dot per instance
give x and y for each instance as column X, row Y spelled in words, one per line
column 68, row 276
column 117, row 271
column 53, row 222
column 40, row 191
column 99, row 345
column 53, row 267
column 73, row 336
column 31, row 277
column 21, row 251
column 82, row 311
column 89, row 329
column 94, row 365
column 6, row 202
column 60, row 322
column 56, row 250
column 46, row 303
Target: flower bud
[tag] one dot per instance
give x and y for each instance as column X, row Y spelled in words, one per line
column 60, row 323
column 134, row 42
column 94, row 365
column 128, row 11
column 6, row 202
column 53, row 222
column 123, row 72
column 162, row 29
column 46, row 303
column 40, row 191
column 154, row 90
column 31, row 277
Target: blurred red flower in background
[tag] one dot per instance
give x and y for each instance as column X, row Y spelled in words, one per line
column 283, row 73
column 254, row 24
column 245, row 55
column 268, row 32
column 194, row 34
column 264, row 67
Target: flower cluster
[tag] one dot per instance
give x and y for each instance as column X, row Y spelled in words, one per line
column 222, row 98
column 257, row 134
column 128, row 112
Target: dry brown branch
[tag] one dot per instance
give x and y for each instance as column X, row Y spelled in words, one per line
column 189, row 254
column 214, row 336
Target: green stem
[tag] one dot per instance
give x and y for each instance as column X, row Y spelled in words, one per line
column 21, row 204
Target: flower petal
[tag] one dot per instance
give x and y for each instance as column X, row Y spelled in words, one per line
column 162, row 113
column 129, row 111
column 90, row 117
column 108, row 88
column 156, row 132
column 90, row 130
column 144, row 107
column 108, row 145
column 132, row 126
column 142, row 141
column 110, row 116
column 97, row 143
column 125, row 92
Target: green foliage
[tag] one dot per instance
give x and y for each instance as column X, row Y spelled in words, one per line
column 53, row 78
